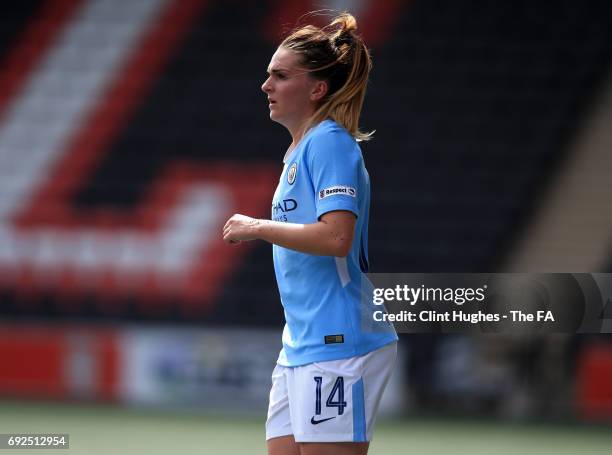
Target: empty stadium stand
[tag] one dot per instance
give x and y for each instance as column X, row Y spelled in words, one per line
column 473, row 103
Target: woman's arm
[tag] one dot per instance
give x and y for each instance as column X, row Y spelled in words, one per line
column 331, row 236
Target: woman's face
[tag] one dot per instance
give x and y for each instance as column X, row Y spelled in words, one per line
column 292, row 93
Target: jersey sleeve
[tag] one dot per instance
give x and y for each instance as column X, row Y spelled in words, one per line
column 334, row 161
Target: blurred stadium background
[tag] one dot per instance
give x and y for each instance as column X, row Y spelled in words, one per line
column 131, row 129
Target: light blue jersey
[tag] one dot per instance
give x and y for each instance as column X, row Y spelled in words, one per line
column 321, row 295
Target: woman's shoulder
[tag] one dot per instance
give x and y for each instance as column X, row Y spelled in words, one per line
column 330, row 127
column 329, row 133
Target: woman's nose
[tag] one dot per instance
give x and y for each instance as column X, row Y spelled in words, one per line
column 265, row 87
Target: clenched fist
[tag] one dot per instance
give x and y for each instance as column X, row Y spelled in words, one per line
column 240, row 228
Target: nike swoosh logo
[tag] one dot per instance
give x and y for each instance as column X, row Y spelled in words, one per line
column 316, row 422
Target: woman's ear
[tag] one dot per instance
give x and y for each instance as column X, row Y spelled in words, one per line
column 319, row 90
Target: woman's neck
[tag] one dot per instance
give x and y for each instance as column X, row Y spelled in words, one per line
column 298, row 132
column 296, row 136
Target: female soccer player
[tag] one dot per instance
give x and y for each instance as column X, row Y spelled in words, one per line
column 335, row 361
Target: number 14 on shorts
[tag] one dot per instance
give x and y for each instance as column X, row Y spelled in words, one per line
column 334, row 400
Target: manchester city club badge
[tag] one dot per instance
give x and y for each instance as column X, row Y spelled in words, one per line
column 291, row 174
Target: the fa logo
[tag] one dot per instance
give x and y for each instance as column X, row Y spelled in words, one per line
column 291, row 174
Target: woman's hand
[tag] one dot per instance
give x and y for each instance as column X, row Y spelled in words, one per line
column 240, row 228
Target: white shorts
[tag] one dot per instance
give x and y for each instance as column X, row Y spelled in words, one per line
column 334, row 401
